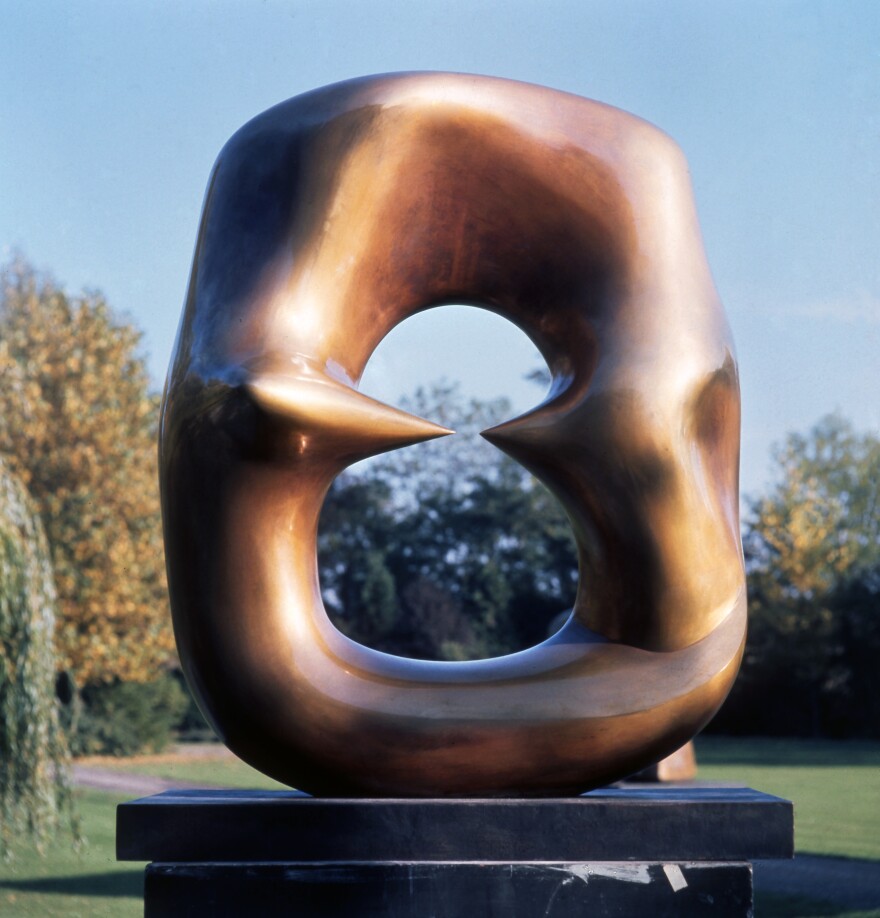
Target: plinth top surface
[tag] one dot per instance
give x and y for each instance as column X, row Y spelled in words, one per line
column 682, row 822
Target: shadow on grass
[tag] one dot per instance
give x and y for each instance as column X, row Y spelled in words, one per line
column 113, row 884
column 775, row 905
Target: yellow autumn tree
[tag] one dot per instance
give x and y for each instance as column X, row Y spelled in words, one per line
column 78, row 426
column 813, row 555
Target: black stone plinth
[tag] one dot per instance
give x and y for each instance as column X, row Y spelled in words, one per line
column 448, row 890
column 626, row 850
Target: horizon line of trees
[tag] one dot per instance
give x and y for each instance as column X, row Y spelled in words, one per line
column 446, row 550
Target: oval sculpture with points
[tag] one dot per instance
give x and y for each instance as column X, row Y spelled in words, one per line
column 327, row 221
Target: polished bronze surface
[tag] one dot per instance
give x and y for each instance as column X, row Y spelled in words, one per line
column 327, row 221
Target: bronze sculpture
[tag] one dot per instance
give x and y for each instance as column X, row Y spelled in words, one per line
column 328, row 220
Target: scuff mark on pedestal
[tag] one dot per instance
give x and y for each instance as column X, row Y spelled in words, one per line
column 675, row 876
column 627, row 873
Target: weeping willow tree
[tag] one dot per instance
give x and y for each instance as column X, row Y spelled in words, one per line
column 35, row 793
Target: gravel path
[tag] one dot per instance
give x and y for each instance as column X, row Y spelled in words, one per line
column 123, row 782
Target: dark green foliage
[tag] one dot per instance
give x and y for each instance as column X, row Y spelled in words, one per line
column 813, row 559
column 34, row 782
column 857, row 710
column 192, row 726
column 446, row 556
column 126, row 718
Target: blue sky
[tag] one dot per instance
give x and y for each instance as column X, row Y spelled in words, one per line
column 111, row 115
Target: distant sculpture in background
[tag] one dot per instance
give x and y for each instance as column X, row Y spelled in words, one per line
column 328, row 220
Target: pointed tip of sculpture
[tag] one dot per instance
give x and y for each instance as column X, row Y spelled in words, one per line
column 327, row 406
column 493, row 434
column 419, row 428
column 515, row 432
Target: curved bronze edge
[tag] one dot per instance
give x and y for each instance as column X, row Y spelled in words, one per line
column 330, row 219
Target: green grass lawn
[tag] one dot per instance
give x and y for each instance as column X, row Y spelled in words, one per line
column 835, row 788
column 89, row 884
column 226, row 772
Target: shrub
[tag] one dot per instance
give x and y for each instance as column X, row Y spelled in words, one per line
column 127, row 718
column 192, row 727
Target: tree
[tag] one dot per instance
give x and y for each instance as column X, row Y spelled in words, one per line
column 449, row 465
column 356, row 525
column 813, row 557
column 821, row 523
column 475, row 557
column 78, row 425
column 34, row 784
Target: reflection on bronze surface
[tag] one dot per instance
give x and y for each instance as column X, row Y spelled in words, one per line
column 328, row 220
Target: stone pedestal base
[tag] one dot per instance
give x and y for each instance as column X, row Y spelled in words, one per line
column 447, row 890
column 628, row 850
